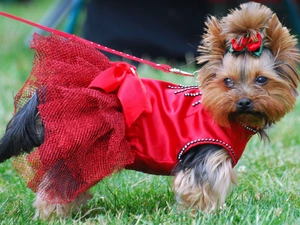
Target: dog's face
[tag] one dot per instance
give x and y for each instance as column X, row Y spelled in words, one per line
column 254, row 91
column 248, row 90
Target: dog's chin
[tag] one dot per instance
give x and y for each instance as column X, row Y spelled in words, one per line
column 255, row 120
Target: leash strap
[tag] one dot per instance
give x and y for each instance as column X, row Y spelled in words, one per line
column 163, row 67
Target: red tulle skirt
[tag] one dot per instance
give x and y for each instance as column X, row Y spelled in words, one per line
column 84, row 128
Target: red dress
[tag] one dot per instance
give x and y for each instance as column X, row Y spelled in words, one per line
column 100, row 117
column 177, row 123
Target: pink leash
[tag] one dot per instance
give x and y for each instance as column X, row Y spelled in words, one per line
column 162, row 67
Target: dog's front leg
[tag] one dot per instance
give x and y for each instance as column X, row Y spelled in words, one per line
column 203, row 178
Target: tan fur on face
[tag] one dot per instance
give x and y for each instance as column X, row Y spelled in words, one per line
column 211, row 193
column 278, row 63
column 272, row 100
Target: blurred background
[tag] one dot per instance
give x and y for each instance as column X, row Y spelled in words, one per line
column 151, row 29
column 162, row 31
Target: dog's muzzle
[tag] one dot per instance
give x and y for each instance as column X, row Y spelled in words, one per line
column 244, row 105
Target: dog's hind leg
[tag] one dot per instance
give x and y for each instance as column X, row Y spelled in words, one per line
column 45, row 210
column 59, row 193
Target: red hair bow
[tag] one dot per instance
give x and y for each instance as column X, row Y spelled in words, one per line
column 252, row 44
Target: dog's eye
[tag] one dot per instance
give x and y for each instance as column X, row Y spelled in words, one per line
column 228, row 82
column 261, row 80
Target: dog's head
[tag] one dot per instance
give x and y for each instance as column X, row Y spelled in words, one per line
column 250, row 71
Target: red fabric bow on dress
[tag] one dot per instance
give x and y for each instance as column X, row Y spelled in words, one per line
column 252, row 44
column 130, row 89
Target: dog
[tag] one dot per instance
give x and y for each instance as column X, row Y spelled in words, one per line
column 80, row 117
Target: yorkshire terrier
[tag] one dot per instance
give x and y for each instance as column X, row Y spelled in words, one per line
column 248, row 82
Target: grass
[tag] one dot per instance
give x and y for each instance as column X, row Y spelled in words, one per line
column 269, row 175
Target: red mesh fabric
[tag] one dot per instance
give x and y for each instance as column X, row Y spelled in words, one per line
column 84, row 128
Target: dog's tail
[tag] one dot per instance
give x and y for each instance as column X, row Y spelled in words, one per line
column 24, row 131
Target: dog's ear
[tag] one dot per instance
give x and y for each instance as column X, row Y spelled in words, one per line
column 283, row 46
column 213, row 43
column 212, row 49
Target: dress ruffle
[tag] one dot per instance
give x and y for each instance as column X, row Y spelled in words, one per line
column 84, row 128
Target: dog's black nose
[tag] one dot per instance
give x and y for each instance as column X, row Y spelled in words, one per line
column 244, row 104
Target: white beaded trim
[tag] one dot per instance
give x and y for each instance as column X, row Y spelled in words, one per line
column 186, row 87
column 196, row 103
column 197, row 141
column 193, row 94
column 249, row 128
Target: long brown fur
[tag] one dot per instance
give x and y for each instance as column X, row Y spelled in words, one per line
column 277, row 63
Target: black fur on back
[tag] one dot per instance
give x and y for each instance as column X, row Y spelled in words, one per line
column 23, row 132
column 196, row 159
